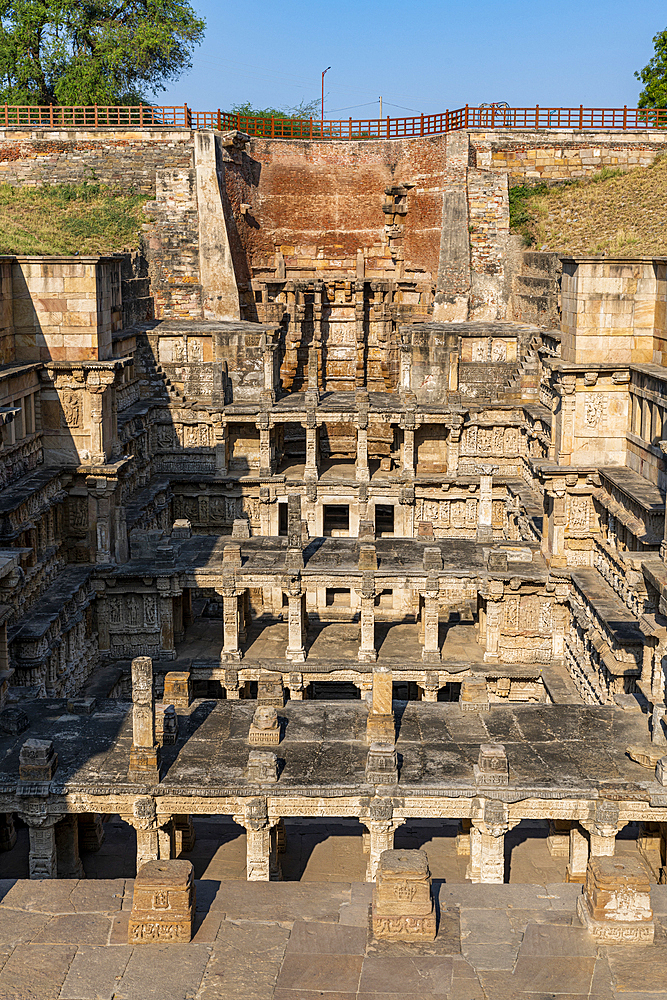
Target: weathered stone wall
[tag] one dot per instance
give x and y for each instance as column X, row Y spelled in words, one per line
column 529, row 157
column 119, row 158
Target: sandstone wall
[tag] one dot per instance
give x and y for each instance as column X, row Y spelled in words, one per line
column 530, row 157
column 115, row 157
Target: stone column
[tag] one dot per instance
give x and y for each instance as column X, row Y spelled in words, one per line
column 578, row 856
column 179, row 632
column 492, row 859
column 145, row 753
column 409, row 448
column 380, row 838
column 230, row 625
column 485, row 506
column 221, row 439
column 147, row 847
column 362, row 473
column 487, row 841
column 431, row 619
column 67, row 848
column 493, row 621
column 42, row 858
column 296, row 612
column 430, row 687
column 453, row 448
column 367, row 652
column 380, row 724
column 312, row 472
column 258, row 841
column 265, row 463
column 184, row 834
column 166, row 610
column 603, row 829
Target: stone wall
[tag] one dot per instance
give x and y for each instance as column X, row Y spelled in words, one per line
column 530, row 157
column 68, row 156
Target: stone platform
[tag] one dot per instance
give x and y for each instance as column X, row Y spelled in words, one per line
column 67, row 940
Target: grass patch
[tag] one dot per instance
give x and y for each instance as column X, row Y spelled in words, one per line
column 87, row 218
column 614, row 212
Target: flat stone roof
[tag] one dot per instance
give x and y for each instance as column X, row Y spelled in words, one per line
column 554, row 751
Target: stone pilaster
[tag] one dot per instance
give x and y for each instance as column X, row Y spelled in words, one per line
column 380, row 724
column 312, row 450
column 578, row 855
column 265, row 458
column 42, row 859
column 367, row 652
column 431, row 619
column 485, row 505
column 221, row 445
column 230, row 625
column 493, row 621
column 296, row 623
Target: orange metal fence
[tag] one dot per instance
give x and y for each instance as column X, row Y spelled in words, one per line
column 181, row 116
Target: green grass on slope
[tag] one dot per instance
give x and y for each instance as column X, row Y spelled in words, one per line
column 69, row 218
column 615, row 212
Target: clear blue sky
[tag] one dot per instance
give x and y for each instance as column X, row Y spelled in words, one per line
column 425, row 56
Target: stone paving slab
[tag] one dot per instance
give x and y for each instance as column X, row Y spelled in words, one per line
column 423, row 975
column 638, row 969
column 281, row 900
column 305, row 972
column 550, row 975
column 35, row 972
column 246, row 960
column 98, row 895
column 163, row 972
column 95, row 973
column 76, row 928
column 19, row 927
column 309, row 938
column 543, row 940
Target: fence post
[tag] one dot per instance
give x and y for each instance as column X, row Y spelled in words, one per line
column 537, row 116
column 422, row 125
column 466, row 116
column 493, row 117
column 220, row 121
column 6, row 115
column 350, row 130
column 581, row 116
column 311, row 128
column 625, row 116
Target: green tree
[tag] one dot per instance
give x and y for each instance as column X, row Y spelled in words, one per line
column 93, row 51
column 654, row 75
column 303, row 110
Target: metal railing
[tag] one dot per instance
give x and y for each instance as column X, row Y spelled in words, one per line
column 484, row 117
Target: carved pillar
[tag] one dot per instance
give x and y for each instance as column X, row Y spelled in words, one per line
column 367, row 652
column 430, row 687
column 409, row 446
column 230, row 625
column 166, row 611
column 493, row 622
column 485, row 506
column 454, row 446
column 221, row 443
column 296, row 614
column 565, row 420
column 265, row 458
column 145, row 754
column 188, row 617
column 67, row 848
column 431, row 618
column 578, row 854
column 381, row 838
column 487, row 841
column 258, row 841
column 184, row 834
column 312, row 450
column 42, row 861
column 179, row 632
column 362, row 473
column 147, row 847
column 603, row 829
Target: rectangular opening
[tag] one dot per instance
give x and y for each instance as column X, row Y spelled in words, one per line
column 336, row 520
column 385, row 600
column 384, row 519
column 338, row 598
column 282, row 519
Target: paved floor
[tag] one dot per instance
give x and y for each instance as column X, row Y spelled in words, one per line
column 67, row 940
column 317, row 851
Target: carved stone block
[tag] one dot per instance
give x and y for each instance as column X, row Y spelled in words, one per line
column 144, row 764
column 37, row 761
column 661, row 771
column 402, row 902
column 367, row 558
column 262, row 767
column 380, row 728
column 474, row 696
column 270, row 690
column 616, row 904
column 265, row 727
column 492, row 767
column 166, row 725
column 181, row 528
column 163, row 903
column 382, row 764
column 14, row 721
column 177, row 688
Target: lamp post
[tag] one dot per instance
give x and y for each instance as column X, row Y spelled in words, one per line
column 323, row 74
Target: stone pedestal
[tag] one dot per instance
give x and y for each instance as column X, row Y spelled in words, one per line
column 166, row 725
column 367, row 652
column 265, row 727
column 42, row 858
column 231, row 650
column 177, row 691
column 262, row 767
column 163, row 904
column 558, row 841
column 616, row 904
column 474, row 696
column 382, row 764
column 270, row 690
column 492, row 768
column 296, row 615
column 37, row 761
column 380, row 724
column 402, row 903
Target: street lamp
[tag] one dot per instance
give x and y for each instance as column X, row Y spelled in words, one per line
column 325, row 71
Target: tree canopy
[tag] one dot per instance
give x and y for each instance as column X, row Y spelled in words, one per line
column 93, row 51
column 654, row 75
column 303, row 110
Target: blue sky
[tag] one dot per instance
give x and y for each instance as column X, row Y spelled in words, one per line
column 425, row 56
